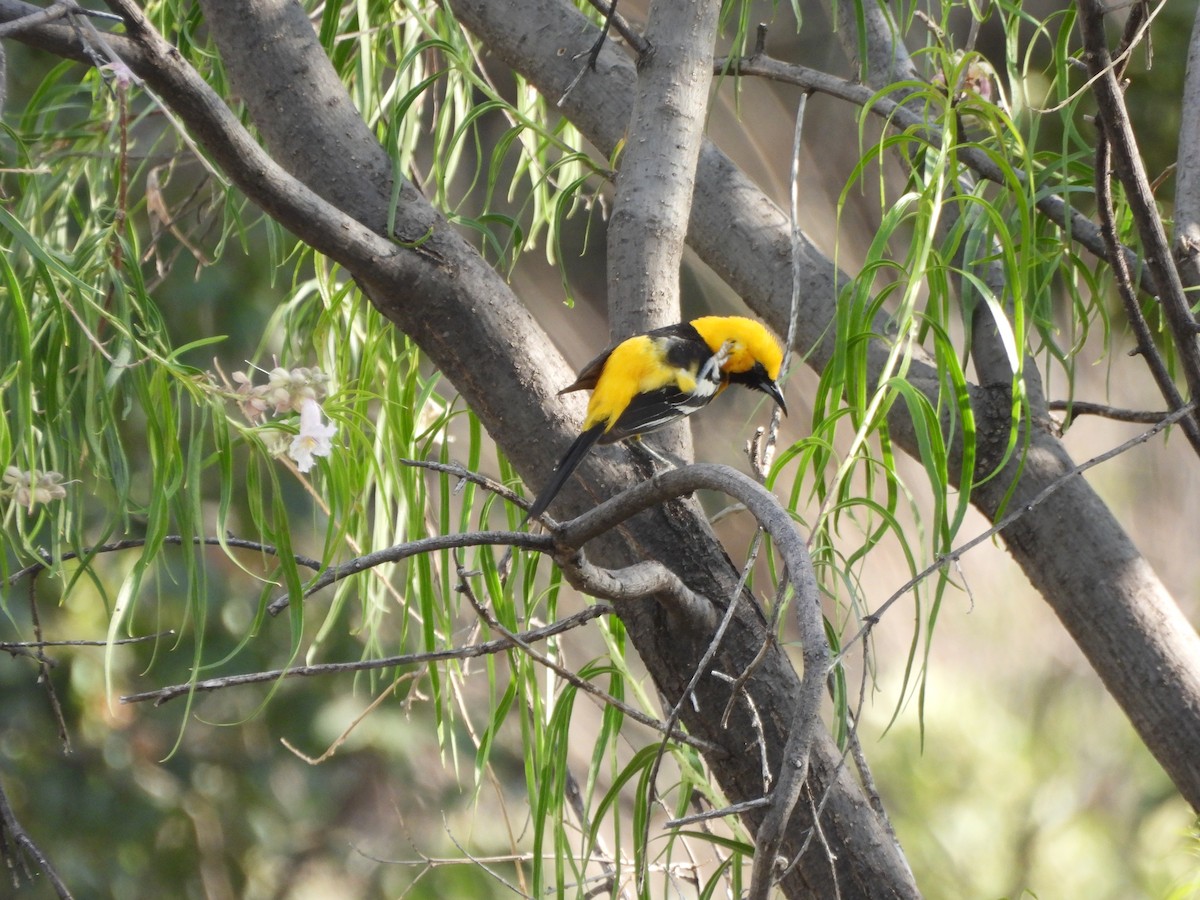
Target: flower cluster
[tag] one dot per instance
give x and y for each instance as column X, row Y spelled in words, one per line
column 288, row 390
column 978, row 78
column 285, row 390
column 32, row 488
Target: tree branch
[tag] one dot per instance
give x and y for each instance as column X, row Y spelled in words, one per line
column 1146, row 345
column 1010, row 519
column 87, row 553
column 51, row 13
column 1086, row 408
column 1079, row 227
column 1187, row 171
column 399, row 552
column 658, row 167
column 1114, row 119
column 777, row 523
column 12, row 834
column 471, row 651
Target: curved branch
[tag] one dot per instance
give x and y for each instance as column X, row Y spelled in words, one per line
column 399, row 552
column 635, row 583
column 778, row 524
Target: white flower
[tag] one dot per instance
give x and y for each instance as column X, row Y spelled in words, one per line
column 314, row 437
column 31, row 488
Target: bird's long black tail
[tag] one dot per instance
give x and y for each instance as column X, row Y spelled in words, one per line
column 566, row 466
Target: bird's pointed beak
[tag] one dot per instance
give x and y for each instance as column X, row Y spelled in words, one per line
column 772, row 390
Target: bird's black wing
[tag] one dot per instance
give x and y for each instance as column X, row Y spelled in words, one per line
column 652, row 410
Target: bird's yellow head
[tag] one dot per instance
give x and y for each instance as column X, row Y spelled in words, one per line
column 754, row 354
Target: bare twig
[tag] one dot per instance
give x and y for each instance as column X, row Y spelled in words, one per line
column 18, row 647
column 399, row 552
column 1113, row 117
column 486, row 648
column 1080, row 228
column 14, row 836
column 1078, row 408
column 760, row 740
column 348, row 730
column 44, row 667
column 516, row 640
column 954, row 555
column 708, row 815
column 747, row 673
column 623, row 26
column 1146, row 346
column 1136, row 28
column 172, row 539
column 479, row 863
column 459, row 471
column 611, row 20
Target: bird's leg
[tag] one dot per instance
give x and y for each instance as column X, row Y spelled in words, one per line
column 653, row 461
column 643, row 449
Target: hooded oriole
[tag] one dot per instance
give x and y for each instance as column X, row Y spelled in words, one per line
column 651, row 379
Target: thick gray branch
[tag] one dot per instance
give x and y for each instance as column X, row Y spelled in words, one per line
column 656, row 172
column 296, row 88
column 657, row 166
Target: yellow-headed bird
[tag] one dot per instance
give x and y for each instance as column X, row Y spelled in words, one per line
column 652, row 379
